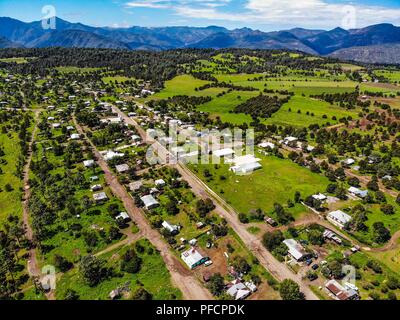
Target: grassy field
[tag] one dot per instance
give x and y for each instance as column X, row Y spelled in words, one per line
column 14, row 60
column 319, row 108
column 185, row 85
column 221, row 107
column 153, row 275
column 277, row 181
column 392, row 75
column 118, row 79
column 10, row 202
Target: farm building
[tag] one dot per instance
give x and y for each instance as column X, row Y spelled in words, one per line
column 149, row 202
column 339, row 218
column 193, row 258
column 223, row 152
column 245, row 164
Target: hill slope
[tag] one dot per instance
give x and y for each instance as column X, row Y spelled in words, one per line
column 383, row 38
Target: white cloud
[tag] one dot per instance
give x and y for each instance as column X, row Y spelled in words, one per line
column 305, row 13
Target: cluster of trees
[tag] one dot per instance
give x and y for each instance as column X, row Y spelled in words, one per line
column 261, row 106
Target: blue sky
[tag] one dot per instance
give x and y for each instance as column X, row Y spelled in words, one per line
column 264, row 15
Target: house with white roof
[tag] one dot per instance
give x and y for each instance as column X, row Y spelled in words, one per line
column 349, row 162
column 358, row 192
column 238, row 290
column 338, row 218
column 223, row 152
column 110, row 155
column 88, row 163
column 266, row 145
column 321, row 197
column 245, row 164
column 100, row 197
column 149, row 202
column 173, row 229
column 296, row 250
column 160, row 183
column 75, row 136
column 121, row 168
column 136, row 185
column 193, row 258
column 123, row 216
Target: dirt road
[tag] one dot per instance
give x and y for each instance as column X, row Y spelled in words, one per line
column 181, row 277
column 33, row 265
column 276, row 268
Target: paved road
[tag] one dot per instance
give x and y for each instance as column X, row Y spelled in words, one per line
column 276, row 268
column 181, row 277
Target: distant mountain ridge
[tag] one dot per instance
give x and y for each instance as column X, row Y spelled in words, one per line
column 337, row 42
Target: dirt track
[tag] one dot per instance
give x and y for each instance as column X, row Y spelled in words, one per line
column 181, row 277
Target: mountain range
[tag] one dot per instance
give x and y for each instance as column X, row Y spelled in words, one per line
column 377, row 44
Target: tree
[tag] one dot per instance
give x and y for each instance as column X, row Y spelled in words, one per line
column 271, row 240
column 380, row 233
column 141, row 294
column 297, row 197
column 131, row 262
column 316, row 237
column 240, row 265
column 71, row 294
column 62, row 263
column 203, row 207
column 216, row 284
column 373, row 184
column 387, row 209
column 290, row 290
column 335, row 267
column 93, row 270
column 172, row 208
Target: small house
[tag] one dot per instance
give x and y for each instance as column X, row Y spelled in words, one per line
column 193, row 258
column 88, row 163
column 75, row 136
column 358, row 192
column 238, row 291
column 296, row 250
column 149, row 202
column 96, row 187
column 136, row 185
column 173, row 229
column 100, row 197
column 338, row 218
column 160, row 183
column 123, row 216
column 122, row 168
